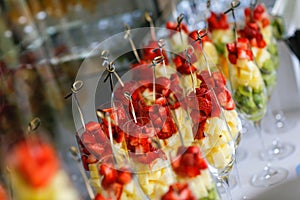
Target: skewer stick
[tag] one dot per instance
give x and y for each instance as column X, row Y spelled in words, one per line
column 161, row 43
column 75, row 155
column 200, row 35
column 189, row 52
column 129, row 97
column 133, row 47
column 152, row 30
column 111, row 69
column 234, row 4
column 111, row 139
column 157, row 60
column 77, row 85
column 179, row 20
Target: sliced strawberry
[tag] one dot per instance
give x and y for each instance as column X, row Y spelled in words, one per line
column 100, row 197
column 91, row 159
column 92, row 126
column 88, row 138
column 96, row 149
column 231, row 47
column 265, row 22
column 174, row 27
column 124, row 177
column 178, row 191
column 84, row 162
column 161, row 101
column 36, row 168
column 152, row 50
column 201, row 163
column 109, row 175
column 198, row 130
column 217, row 21
column 193, row 150
column 117, row 189
column 218, row 76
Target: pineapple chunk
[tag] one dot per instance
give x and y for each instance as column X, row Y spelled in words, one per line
column 198, row 187
column 207, row 179
column 93, row 167
column 244, row 77
column 211, row 52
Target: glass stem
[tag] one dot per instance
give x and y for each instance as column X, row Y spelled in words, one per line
column 259, row 131
column 225, row 182
column 258, row 128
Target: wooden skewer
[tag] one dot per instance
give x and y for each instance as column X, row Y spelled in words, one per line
column 152, row 30
column 77, row 85
column 129, row 97
column 133, row 47
column 75, row 155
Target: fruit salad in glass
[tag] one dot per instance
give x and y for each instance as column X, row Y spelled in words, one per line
column 221, row 34
column 35, row 172
column 261, row 16
column 246, row 80
column 192, row 177
column 263, row 58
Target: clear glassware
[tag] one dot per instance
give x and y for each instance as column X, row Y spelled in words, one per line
column 190, row 167
column 278, row 149
column 212, row 134
column 146, row 157
column 251, row 96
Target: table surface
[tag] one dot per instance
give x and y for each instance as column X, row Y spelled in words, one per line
column 253, row 163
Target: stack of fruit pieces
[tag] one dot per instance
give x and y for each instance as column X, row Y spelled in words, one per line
column 35, row 172
column 246, row 79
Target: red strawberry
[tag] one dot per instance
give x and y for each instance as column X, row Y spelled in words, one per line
column 265, row 22
column 200, row 162
column 152, row 50
column 88, row 138
column 178, row 191
column 37, row 168
column 193, row 150
column 217, row 21
column 124, row 177
column 174, row 27
column 91, row 159
column 96, row 149
column 84, row 162
column 109, row 175
column 218, row 76
column 100, row 197
column 92, row 126
column 116, row 189
column 198, row 130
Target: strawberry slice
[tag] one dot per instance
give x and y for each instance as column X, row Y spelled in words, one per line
column 142, row 71
column 178, row 191
column 152, row 50
column 217, row 21
column 92, row 126
column 100, row 197
column 109, row 175
column 96, row 149
column 36, row 168
column 174, row 27
column 218, row 76
column 193, row 150
column 124, row 176
column 198, row 130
